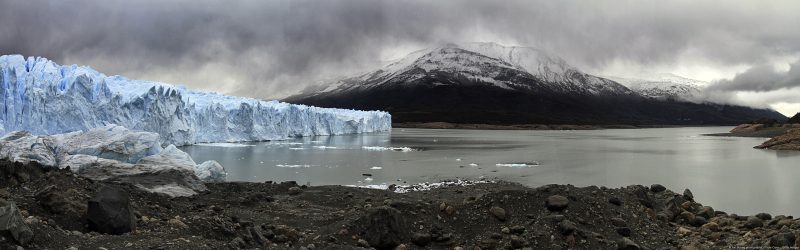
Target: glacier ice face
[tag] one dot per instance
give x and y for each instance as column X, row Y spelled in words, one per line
column 43, row 97
column 115, row 153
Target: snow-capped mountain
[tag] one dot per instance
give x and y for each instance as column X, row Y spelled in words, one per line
column 491, row 83
column 43, row 97
column 513, row 68
column 664, row 86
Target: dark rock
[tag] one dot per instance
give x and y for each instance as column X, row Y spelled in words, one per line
column 12, row 223
column 498, row 213
column 280, row 238
column 706, row 212
column 615, row 200
column 567, row 227
column 392, row 187
column 384, row 227
column 687, row 194
column 753, row 222
column 673, row 207
column 627, row 244
column 421, row 239
column 61, row 202
column 556, row 203
column 238, row 243
column 698, row 221
column 110, row 212
column 624, row 231
column 257, row 236
column 618, row 222
column 517, row 230
column 644, row 197
column 686, row 217
column 295, row 190
column 764, row 216
column 657, row 188
column 783, row 240
column 517, row 242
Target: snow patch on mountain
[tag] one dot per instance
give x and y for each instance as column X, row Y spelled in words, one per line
column 490, row 63
column 665, row 86
column 43, row 97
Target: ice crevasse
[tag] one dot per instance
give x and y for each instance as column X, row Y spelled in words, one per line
column 45, row 98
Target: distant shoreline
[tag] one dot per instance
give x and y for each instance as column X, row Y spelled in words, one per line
column 448, row 125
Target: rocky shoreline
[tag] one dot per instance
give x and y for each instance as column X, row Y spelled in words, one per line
column 55, row 205
column 783, row 136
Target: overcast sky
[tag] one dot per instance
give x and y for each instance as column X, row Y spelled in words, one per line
column 750, row 50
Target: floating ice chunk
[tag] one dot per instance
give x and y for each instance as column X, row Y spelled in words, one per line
column 517, row 165
column 368, row 179
column 458, row 159
column 292, row 166
column 379, row 148
column 473, row 164
column 375, row 168
column 224, row 145
column 297, row 148
column 288, row 143
column 324, row 147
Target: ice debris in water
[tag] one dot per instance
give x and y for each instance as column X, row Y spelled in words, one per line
column 293, row 166
column 225, row 145
column 473, row 164
column 379, row 148
column 425, row 186
column 43, row 97
column 517, row 165
column 324, row 147
column 375, row 167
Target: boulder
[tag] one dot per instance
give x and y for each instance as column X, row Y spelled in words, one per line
column 657, row 188
column 498, row 213
column 110, row 212
column 556, row 203
column 12, row 223
column 210, row 171
column 753, row 222
column 383, row 227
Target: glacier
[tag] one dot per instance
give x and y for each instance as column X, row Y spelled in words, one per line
column 45, row 98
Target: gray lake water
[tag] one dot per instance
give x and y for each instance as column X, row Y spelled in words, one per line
column 723, row 172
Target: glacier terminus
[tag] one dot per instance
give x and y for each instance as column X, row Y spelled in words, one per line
column 45, row 98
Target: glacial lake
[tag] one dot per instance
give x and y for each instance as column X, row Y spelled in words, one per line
column 723, row 172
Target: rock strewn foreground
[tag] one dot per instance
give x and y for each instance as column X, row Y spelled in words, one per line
column 287, row 216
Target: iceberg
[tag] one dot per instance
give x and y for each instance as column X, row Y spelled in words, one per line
column 45, row 98
column 115, row 153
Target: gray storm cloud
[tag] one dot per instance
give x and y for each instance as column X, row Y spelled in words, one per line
column 270, row 49
column 761, row 78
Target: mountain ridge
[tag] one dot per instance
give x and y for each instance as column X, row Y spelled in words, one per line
column 504, row 85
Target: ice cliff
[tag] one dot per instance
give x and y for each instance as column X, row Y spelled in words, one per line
column 43, row 97
column 115, row 153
